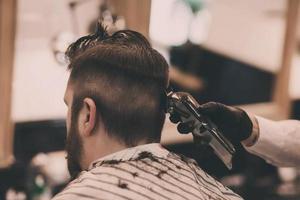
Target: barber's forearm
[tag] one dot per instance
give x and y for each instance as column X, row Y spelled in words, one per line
column 277, row 142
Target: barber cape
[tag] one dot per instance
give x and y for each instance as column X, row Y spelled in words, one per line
column 146, row 172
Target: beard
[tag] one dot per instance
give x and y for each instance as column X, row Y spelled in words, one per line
column 74, row 150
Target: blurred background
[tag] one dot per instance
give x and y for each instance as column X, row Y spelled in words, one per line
column 238, row 52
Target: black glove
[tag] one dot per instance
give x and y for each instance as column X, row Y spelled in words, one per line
column 233, row 122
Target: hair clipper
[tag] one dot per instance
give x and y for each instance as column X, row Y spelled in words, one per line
column 204, row 131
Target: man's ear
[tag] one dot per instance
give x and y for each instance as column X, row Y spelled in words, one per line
column 88, row 116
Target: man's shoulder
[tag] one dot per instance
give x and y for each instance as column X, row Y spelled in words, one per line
column 94, row 183
column 147, row 175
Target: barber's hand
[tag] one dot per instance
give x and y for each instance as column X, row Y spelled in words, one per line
column 233, row 122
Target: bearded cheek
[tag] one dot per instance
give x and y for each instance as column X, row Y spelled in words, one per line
column 74, row 148
column 68, row 121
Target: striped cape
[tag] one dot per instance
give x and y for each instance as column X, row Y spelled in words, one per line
column 146, row 172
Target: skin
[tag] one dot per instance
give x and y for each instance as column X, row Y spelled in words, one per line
column 95, row 142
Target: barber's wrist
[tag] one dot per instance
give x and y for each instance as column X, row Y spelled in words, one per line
column 252, row 139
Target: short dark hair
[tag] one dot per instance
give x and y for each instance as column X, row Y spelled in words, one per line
column 126, row 78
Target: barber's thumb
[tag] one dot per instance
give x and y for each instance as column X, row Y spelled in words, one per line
column 210, row 108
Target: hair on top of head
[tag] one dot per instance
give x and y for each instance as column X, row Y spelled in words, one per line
column 125, row 49
column 101, row 36
column 87, row 41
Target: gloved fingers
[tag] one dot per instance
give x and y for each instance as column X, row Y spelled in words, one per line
column 212, row 110
column 185, row 127
column 175, row 117
column 209, row 108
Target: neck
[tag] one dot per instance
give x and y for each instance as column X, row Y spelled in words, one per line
column 97, row 147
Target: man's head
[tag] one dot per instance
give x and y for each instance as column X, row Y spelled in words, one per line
column 115, row 91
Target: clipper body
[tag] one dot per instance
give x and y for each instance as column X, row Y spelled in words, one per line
column 204, row 131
